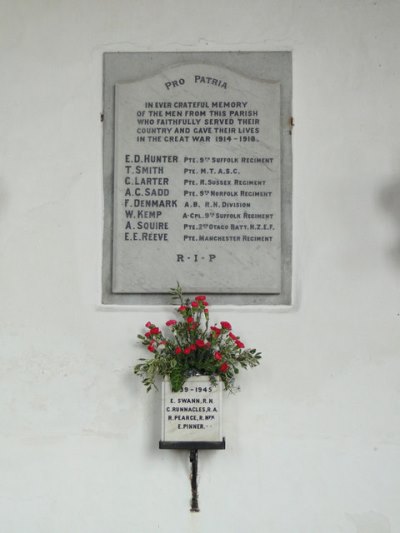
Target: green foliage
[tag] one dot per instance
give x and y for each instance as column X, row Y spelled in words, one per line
column 177, row 378
column 191, row 347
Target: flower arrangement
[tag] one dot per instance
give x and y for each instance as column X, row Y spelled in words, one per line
column 191, row 347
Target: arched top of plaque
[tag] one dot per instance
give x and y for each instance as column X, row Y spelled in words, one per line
column 187, row 90
column 197, row 182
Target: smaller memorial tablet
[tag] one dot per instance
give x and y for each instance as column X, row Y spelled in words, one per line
column 193, row 414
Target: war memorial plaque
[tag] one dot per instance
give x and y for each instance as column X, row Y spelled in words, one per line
column 194, row 413
column 197, row 182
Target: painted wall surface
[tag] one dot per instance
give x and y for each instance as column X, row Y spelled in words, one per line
column 313, row 438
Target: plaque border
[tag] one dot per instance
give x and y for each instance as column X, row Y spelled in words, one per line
column 132, row 66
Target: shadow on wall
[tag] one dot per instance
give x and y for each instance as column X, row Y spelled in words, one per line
column 390, row 201
column 370, row 522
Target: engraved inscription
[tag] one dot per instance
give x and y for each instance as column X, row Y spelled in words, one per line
column 197, row 183
column 193, row 414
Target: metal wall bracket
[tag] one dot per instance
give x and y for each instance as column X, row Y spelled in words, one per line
column 193, row 481
column 193, row 448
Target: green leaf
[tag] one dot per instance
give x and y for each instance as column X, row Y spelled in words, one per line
column 177, row 378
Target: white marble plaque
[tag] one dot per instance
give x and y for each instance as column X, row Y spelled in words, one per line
column 194, row 414
column 197, row 183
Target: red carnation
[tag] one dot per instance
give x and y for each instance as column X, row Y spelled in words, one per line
column 224, row 367
column 154, row 331
column 149, row 324
column 147, row 334
column 186, row 351
column 182, row 308
column 151, row 348
column 239, row 344
column 232, row 336
column 217, row 356
column 200, row 343
column 216, row 330
column 226, row 325
column 178, row 350
column 194, row 304
column 170, row 323
column 192, row 347
column 189, row 319
column 200, row 298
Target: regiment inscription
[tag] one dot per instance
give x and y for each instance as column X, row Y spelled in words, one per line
column 197, row 183
column 197, row 176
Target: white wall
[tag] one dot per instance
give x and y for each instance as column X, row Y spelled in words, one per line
column 313, row 438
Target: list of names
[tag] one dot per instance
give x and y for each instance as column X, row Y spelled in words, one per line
column 197, row 183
